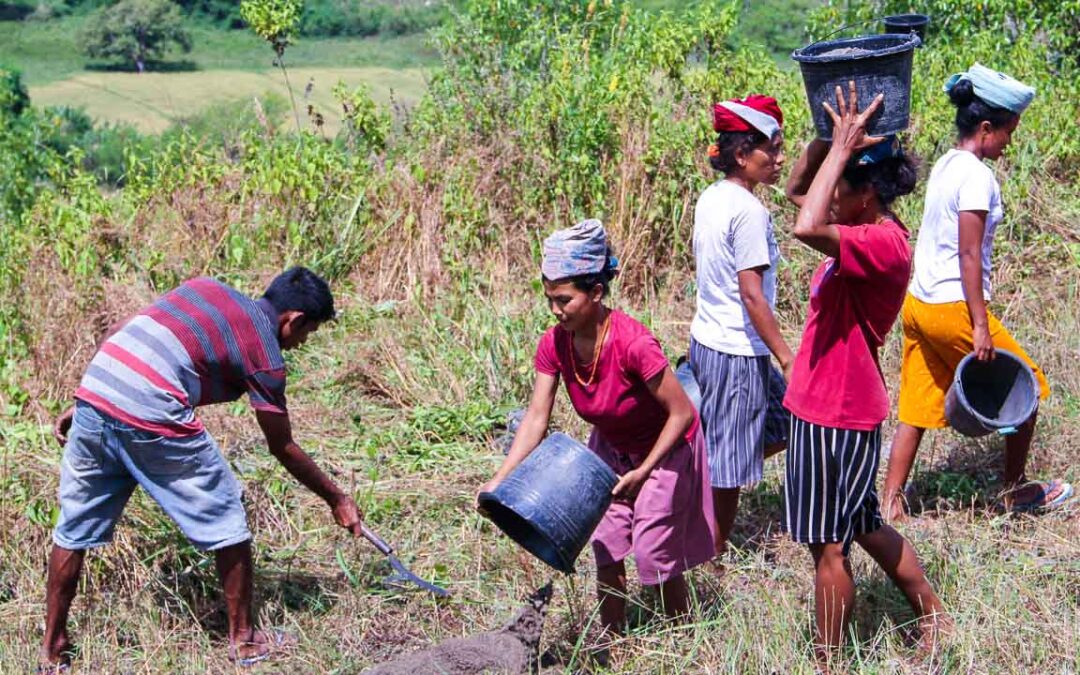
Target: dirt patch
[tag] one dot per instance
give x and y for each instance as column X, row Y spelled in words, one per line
column 511, row 649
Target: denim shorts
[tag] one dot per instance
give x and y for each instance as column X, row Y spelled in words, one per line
column 105, row 459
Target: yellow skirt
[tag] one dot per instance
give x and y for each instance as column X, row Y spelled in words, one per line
column 936, row 338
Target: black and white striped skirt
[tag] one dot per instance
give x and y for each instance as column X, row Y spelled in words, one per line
column 829, row 493
column 742, row 412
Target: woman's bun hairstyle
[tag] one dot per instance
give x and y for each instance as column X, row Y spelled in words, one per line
column 891, row 178
column 962, row 93
column 971, row 111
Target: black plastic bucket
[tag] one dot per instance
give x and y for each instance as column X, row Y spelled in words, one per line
column 985, row 397
column 551, row 503
column 877, row 63
column 907, row 23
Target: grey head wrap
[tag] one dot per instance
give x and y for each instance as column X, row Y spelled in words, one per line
column 581, row 249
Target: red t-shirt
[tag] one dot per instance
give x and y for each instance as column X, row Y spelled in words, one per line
column 854, row 301
column 618, row 402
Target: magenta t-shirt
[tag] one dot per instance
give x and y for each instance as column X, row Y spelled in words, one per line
column 618, row 402
column 854, row 301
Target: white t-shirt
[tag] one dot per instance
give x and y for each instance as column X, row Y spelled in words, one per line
column 732, row 232
column 959, row 182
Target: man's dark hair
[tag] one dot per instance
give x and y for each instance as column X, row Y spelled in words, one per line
column 971, row 111
column 298, row 289
column 890, row 178
column 729, row 143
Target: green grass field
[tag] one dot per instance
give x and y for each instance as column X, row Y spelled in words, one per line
column 151, row 102
column 222, row 66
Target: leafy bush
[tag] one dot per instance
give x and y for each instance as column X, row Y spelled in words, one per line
column 103, row 148
column 14, row 98
column 1052, row 22
column 223, row 12
column 226, row 122
column 136, row 31
column 362, row 19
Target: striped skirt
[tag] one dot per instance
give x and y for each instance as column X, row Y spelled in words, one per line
column 829, row 493
column 741, row 411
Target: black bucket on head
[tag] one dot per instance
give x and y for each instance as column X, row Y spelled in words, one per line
column 998, row 395
column 879, row 64
column 907, row 23
column 551, row 502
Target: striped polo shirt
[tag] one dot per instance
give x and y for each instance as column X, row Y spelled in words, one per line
column 198, row 344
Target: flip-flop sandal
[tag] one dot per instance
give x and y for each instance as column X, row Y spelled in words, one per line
column 1040, row 503
column 278, row 642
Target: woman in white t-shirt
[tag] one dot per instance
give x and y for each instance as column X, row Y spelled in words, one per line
column 734, row 329
column 945, row 314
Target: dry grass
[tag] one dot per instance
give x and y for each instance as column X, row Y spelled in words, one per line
column 368, row 398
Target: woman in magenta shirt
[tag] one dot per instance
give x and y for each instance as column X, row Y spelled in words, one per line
column 644, row 426
column 836, row 394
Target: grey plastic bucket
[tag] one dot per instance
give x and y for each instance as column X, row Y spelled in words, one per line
column 685, row 375
column 907, row 23
column 985, row 397
column 877, row 63
column 551, row 502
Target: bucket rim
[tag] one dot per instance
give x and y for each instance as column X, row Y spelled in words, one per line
column 487, row 498
column 809, row 53
column 987, row 422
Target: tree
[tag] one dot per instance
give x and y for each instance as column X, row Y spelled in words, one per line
column 135, row 30
column 277, row 22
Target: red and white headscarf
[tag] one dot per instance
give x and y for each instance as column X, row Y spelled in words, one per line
column 753, row 112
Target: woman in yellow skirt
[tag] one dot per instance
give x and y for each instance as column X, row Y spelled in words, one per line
column 945, row 315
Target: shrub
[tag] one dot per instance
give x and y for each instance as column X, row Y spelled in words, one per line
column 14, row 98
column 363, row 19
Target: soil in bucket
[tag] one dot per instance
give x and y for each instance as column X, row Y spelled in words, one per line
column 878, row 64
column 551, row 503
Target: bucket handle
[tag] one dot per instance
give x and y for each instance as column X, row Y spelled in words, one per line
column 858, row 24
column 1007, row 431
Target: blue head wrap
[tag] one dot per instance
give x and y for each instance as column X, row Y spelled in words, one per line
column 581, row 249
column 996, row 89
column 889, row 148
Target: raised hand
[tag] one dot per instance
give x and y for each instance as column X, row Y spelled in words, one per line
column 849, row 125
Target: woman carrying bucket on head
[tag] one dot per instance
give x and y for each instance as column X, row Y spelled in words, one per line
column 644, row 426
column 734, row 330
column 945, row 315
column 836, row 393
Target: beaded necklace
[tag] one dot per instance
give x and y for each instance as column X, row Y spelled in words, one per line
column 597, row 348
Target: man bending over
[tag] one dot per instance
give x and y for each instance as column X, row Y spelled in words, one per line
column 134, row 423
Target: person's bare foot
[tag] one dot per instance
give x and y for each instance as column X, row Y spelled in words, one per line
column 262, row 645
column 57, row 656
column 935, row 629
